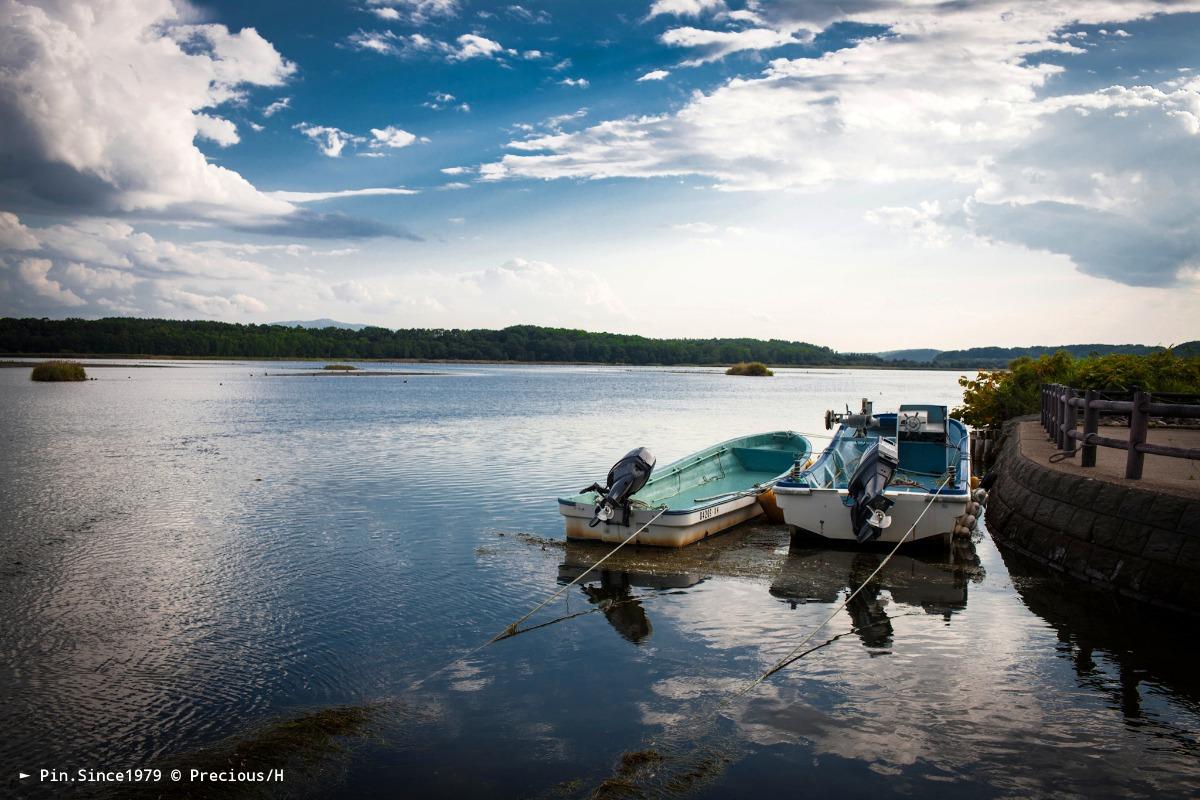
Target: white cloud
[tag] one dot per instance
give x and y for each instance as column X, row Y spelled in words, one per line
column 955, row 94
column 454, row 170
column 685, row 8
column 216, row 129
column 392, row 137
column 471, row 45
column 277, row 106
column 581, row 83
column 718, row 44
column 922, row 224
column 539, row 17
column 35, row 271
column 562, row 65
column 314, row 197
column 329, row 140
column 383, row 42
column 14, row 235
column 466, row 47
column 416, row 11
column 110, row 96
column 654, row 75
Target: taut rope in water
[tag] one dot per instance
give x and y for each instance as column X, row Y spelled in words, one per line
column 511, row 629
column 790, row 657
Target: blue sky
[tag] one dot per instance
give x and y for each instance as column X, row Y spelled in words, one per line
column 863, row 174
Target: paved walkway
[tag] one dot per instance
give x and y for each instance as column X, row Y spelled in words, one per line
column 1176, row 476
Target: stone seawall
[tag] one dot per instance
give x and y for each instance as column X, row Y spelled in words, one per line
column 1139, row 543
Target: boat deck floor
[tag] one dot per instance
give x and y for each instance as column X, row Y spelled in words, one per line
column 734, row 482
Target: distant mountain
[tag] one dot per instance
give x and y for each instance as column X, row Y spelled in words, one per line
column 920, row 354
column 321, row 323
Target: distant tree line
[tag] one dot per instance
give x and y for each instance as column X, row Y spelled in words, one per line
column 999, row 357
column 161, row 337
column 194, row 338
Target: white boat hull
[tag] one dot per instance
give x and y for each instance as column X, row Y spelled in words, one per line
column 672, row 529
column 823, row 512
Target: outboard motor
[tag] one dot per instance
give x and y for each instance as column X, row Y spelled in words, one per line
column 625, row 479
column 868, row 513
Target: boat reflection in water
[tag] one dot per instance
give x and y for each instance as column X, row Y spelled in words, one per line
column 612, row 590
column 935, row 581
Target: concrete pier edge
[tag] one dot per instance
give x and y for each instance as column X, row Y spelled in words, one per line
column 1139, row 543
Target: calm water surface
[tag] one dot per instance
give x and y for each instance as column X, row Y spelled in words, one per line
column 191, row 553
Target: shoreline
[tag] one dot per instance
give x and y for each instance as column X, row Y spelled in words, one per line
column 5, row 361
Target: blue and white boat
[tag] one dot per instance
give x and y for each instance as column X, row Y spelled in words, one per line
column 698, row 496
column 879, row 473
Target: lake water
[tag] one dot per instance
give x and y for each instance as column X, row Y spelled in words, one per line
column 195, row 553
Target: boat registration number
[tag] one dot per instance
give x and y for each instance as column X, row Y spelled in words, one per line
column 709, row 513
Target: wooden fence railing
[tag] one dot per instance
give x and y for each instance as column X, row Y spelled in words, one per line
column 1061, row 407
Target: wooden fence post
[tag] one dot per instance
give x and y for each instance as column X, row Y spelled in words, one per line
column 1054, row 411
column 1139, row 422
column 1070, row 421
column 1091, row 424
column 1061, row 428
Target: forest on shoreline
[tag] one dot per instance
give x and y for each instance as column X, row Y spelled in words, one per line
column 128, row 336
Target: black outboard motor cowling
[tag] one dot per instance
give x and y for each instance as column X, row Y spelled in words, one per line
column 625, row 479
column 868, row 514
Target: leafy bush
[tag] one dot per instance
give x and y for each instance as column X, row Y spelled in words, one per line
column 755, row 368
column 58, row 371
column 994, row 396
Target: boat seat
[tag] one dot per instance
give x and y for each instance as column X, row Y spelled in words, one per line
column 764, row 459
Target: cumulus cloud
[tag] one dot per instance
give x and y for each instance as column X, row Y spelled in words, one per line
column 35, row 272
column 98, row 266
column 101, row 266
column 580, row 83
column 416, row 11
column 685, row 8
column 392, row 137
column 329, row 140
column 654, row 75
column 715, row 45
column 466, row 47
column 953, row 93
column 102, row 102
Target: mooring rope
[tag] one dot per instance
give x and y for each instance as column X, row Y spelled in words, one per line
column 789, row 658
column 511, row 629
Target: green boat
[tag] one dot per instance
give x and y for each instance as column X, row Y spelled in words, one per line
column 700, row 495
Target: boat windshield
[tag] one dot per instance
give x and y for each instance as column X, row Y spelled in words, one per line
column 923, row 464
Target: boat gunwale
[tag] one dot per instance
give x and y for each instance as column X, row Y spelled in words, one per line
column 677, row 465
column 961, row 485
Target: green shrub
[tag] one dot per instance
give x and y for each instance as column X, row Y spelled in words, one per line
column 994, row 396
column 341, row 367
column 755, row 368
column 58, row 371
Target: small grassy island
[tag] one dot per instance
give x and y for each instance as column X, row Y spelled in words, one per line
column 58, row 371
column 754, row 368
column 341, row 367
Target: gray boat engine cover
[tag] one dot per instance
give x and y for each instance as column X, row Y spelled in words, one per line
column 868, row 514
column 625, row 479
